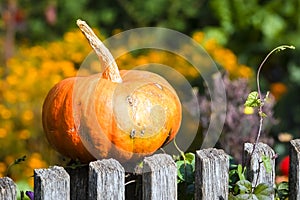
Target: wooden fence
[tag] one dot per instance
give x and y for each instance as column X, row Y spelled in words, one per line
column 105, row 179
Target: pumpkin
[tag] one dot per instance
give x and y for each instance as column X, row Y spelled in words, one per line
column 124, row 114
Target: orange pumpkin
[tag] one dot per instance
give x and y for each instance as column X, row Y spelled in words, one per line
column 115, row 114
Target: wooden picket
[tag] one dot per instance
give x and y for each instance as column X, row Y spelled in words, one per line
column 294, row 174
column 211, row 174
column 8, row 189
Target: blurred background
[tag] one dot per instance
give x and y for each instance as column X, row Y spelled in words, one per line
column 41, row 45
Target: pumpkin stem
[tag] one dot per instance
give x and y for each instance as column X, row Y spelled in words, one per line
column 111, row 71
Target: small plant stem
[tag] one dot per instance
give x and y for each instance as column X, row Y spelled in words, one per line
column 258, row 133
column 183, row 156
column 180, row 151
column 262, row 101
column 260, row 109
column 256, row 180
column 279, row 48
column 8, row 169
column 16, row 162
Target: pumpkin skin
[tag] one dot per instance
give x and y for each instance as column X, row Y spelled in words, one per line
column 88, row 118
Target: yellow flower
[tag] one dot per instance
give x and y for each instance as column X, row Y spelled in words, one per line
column 12, row 80
column 245, row 71
column 9, row 96
column 198, row 36
column 248, row 110
column 24, row 134
column 210, row 45
column 35, row 161
column 5, row 113
column 223, row 56
column 3, row 133
column 27, row 115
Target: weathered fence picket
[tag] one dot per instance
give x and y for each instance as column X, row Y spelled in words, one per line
column 211, row 174
column 257, row 173
column 159, row 178
column 105, row 179
column 8, row 189
column 52, row 183
column 294, row 174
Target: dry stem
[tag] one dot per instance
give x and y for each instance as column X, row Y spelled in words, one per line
column 111, row 71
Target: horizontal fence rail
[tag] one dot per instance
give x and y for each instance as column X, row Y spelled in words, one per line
column 105, row 179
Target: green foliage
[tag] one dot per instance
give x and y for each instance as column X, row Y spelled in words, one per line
column 181, row 15
column 186, row 168
column 166, row 13
column 242, row 189
column 236, row 174
column 186, row 176
column 269, row 21
column 282, row 191
column 260, row 192
column 239, row 187
column 21, row 187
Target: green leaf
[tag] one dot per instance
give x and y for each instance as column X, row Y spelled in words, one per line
column 246, row 197
column 272, row 25
column 262, row 114
column 190, row 158
column 185, row 172
column 253, row 100
column 264, row 191
column 267, row 163
column 283, row 186
column 232, row 173
column 231, row 197
column 186, row 168
column 189, row 173
column 180, row 172
column 241, row 172
column 282, row 190
column 245, row 186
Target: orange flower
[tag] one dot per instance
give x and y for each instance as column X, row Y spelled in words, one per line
column 278, row 89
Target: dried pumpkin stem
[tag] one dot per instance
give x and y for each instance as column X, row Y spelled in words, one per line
column 111, row 71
